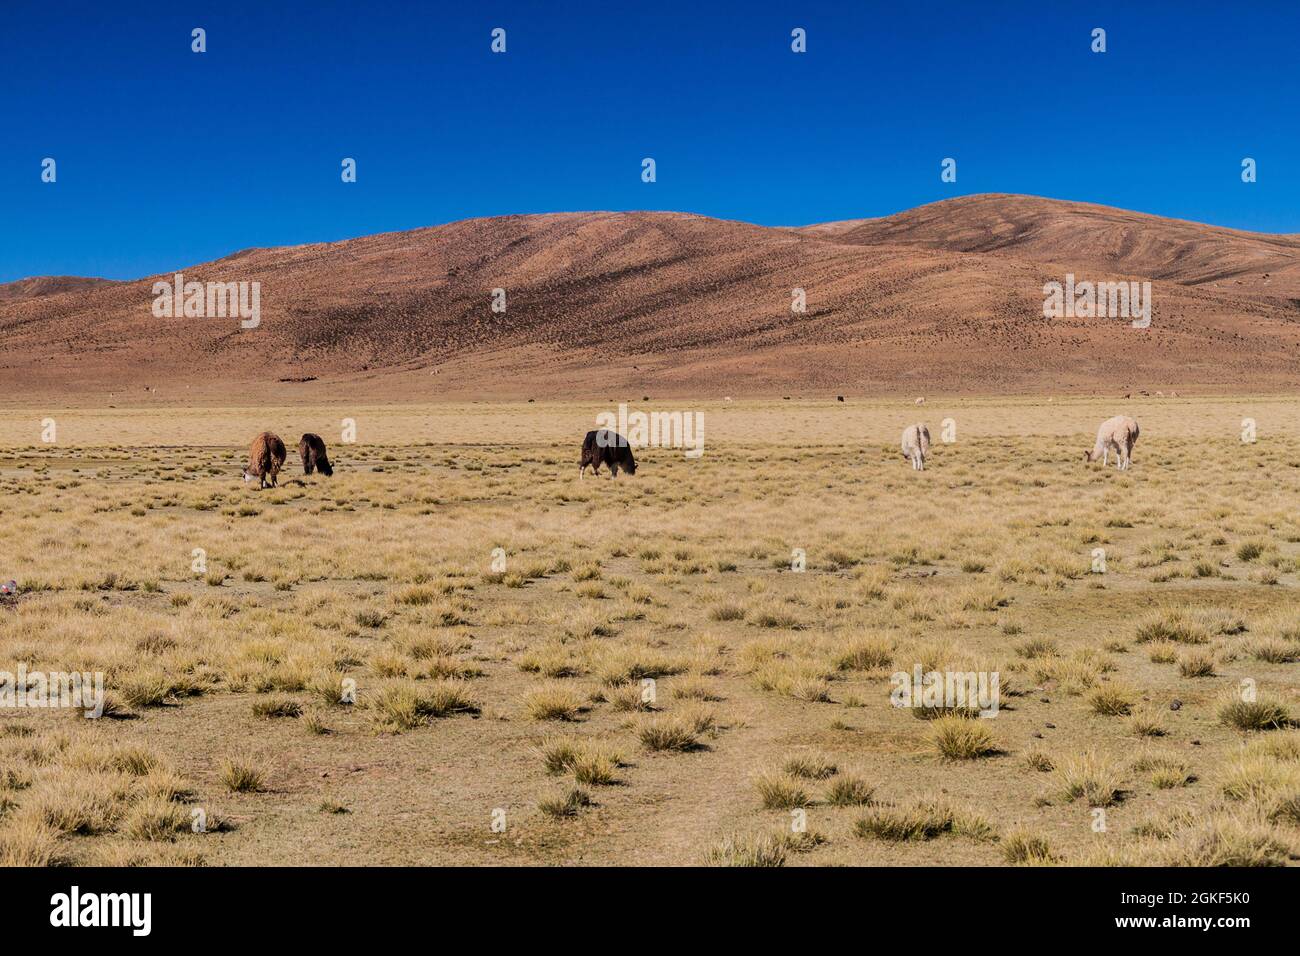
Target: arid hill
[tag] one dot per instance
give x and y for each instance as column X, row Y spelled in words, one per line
column 39, row 287
column 1089, row 237
column 945, row 298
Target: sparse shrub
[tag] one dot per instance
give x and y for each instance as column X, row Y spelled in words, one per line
column 849, row 791
column 695, row 688
column 1037, row 647
column 627, row 698
column 1111, row 701
column 779, row 792
column 241, row 776
column 155, row 819
column 960, row 738
column 277, row 707
column 1037, row 760
column 1092, row 777
column 567, row 804
column 864, row 654
column 405, row 705
column 747, row 851
column 1274, row 651
column 810, row 766
column 1162, row 652
column 1265, row 712
column 674, row 732
column 1164, row 772
column 313, row 721
column 1146, row 722
column 553, row 702
column 922, row 821
column 1021, row 848
column 1249, row 550
column 1196, row 665
column 1170, row 625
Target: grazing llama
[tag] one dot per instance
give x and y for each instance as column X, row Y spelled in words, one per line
column 916, row 445
column 1119, row 433
column 265, row 459
column 314, row 456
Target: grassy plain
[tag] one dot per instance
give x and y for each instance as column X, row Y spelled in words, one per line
column 227, row 621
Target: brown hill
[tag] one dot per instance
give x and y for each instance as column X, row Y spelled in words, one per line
column 1089, row 237
column 38, row 287
column 608, row 304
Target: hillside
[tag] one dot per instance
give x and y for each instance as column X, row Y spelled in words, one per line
column 944, row 298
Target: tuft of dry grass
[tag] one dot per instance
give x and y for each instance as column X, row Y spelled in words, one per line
column 849, row 791
column 242, row 776
column 961, row 738
column 1146, row 722
column 29, row 842
column 566, row 804
column 810, row 766
column 554, row 702
column 1196, row 664
column 763, row 850
column 402, row 705
column 1111, row 701
column 1092, row 777
column 1265, row 712
column 1020, row 848
column 675, row 732
column 277, row 707
column 923, row 820
column 780, row 792
column 155, row 819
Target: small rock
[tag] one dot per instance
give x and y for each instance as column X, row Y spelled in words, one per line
column 1036, row 735
column 1196, row 743
column 1043, row 700
column 1175, row 704
column 1050, row 726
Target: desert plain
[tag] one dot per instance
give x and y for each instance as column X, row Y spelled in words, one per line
column 544, row 670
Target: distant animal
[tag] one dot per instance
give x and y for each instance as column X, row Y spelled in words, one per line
column 314, row 458
column 605, row 447
column 265, row 459
column 920, row 401
column 1120, row 433
column 916, row 445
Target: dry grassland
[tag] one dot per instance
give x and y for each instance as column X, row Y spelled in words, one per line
column 519, row 692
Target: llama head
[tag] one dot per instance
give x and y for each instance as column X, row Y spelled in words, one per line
column 247, row 476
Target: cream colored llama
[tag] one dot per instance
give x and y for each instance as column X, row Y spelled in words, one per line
column 916, row 445
column 1119, row 433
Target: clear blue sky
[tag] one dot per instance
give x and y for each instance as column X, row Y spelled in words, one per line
column 168, row 158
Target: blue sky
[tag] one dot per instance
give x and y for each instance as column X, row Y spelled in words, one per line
column 168, row 158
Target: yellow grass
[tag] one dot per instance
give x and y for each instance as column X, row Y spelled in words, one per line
column 656, row 617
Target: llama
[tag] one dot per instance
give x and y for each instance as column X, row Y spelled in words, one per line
column 916, row 445
column 314, row 456
column 265, row 459
column 1119, row 433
